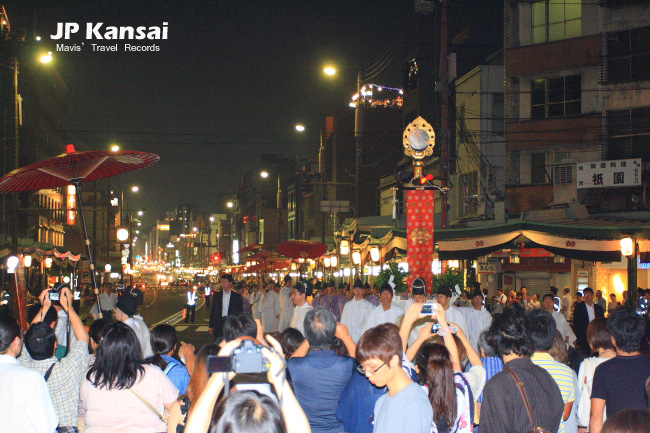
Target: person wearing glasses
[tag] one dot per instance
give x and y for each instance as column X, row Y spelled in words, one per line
column 404, row 408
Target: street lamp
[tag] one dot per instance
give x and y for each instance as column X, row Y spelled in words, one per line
column 229, row 205
column 114, row 148
column 135, row 188
column 300, row 128
column 46, row 58
column 264, row 174
column 629, row 249
column 329, row 70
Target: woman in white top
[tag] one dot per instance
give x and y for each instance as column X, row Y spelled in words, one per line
column 599, row 341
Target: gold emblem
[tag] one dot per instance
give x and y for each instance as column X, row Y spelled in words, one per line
column 420, row 235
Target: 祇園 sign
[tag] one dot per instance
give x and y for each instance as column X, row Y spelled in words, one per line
column 605, row 174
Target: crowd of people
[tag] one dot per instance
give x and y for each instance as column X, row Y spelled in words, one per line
column 300, row 357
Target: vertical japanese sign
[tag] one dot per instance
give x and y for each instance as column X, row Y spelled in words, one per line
column 71, row 205
column 419, row 235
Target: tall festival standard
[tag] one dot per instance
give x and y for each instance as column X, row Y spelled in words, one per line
column 419, row 139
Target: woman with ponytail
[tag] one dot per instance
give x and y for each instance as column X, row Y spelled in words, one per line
column 163, row 343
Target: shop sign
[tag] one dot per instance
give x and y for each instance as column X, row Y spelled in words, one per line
column 605, row 174
column 487, row 268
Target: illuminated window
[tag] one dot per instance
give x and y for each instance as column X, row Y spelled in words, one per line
column 554, row 20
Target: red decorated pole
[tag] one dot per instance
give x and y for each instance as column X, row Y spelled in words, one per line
column 419, row 234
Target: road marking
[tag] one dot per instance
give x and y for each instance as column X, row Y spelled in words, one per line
column 181, row 328
column 177, row 317
column 202, row 329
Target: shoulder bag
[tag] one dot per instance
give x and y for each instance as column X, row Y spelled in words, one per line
column 522, row 391
column 162, row 417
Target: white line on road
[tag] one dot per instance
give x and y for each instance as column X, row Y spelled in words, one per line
column 176, row 318
column 202, row 329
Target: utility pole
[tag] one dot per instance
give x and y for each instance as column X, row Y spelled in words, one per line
column 359, row 130
column 444, row 114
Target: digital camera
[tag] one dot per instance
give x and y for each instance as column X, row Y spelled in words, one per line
column 247, row 358
column 55, row 292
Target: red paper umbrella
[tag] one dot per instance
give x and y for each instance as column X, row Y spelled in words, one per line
column 302, row 249
column 278, row 266
column 254, row 247
column 74, row 168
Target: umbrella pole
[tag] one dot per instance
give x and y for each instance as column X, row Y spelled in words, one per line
column 88, row 252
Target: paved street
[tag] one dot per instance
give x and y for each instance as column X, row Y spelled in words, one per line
column 165, row 306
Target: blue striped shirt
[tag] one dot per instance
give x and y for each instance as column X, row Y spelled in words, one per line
column 562, row 374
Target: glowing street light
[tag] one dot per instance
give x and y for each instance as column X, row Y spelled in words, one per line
column 230, row 205
column 300, row 128
column 27, row 261
column 115, row 148
column 46, row 58
column 135, row 188
column 264, row 174
column 12, row 264
column 329, row 71
column 140, row 213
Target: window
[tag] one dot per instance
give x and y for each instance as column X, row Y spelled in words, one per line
column 538, row 168
column 554, row 20
column 628, row 55
column 556, row 97
column 629, row 133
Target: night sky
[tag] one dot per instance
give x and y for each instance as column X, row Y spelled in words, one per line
column 231, row 80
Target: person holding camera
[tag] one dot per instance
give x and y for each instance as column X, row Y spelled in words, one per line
column 63, row 377
column 249, row 411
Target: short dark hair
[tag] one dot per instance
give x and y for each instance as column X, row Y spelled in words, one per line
column 541, row 328
column 226, row 277
column 239, row 325
column 163, row 338
column 290, row 339
column 482, row 343
column 381, row 342
column 548, row 295
column 97, row 330
column 248, row 412
column 287, row 278
column 386, row 288
column 598, row 336
column 9, row 330
column 587, row 290
column 507, row 334
column 320, row 327
column 627, row 328
column 554, row 290
column 39, row 341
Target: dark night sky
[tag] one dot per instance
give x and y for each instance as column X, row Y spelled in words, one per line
column 230, row 82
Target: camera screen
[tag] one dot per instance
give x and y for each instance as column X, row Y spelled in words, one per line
column 427, row 309
column 219, row 364
column 77, row 296
column 55, row 296
column 642, row 307
column 435, row 328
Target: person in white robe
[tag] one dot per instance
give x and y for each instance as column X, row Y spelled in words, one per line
column 286, row 305
column 299, row 297
column 386, row 311
column 270, row 307
column 355, row 312
column 477, row 319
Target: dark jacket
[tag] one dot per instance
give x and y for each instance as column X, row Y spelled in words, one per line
column 216, row 321
column 581, row 321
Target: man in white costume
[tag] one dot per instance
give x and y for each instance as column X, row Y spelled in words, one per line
column 299, row 297
column 386, row 311
column 286, row 305
column 477, row 319
column 355, row 312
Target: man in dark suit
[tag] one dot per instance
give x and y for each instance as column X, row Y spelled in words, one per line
column 584, row 313
column 226, row 302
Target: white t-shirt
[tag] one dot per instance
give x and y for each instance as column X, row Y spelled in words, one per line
column 590, row 312
column 25, row 402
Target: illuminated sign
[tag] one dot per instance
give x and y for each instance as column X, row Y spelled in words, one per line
column 164, row 227
column 71, row 205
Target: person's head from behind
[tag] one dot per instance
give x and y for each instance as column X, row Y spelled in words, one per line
column 118, row 360
column 40, row 341
column 10, row 336
column 163, row 339
column 127, row 304
column 626, row 329
column 559, row 351
column 290, row 339
column 96, row 332
column 486, row 350
column 320, row 327
column 248, row 412
column 379, row 353
column 239, row 325
column 566, row 290
column 435, row 370
column 50, row 317
column 598, row 336
column 508, row 335
column 200, row 376
column 628, row 421
column 541, row 329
